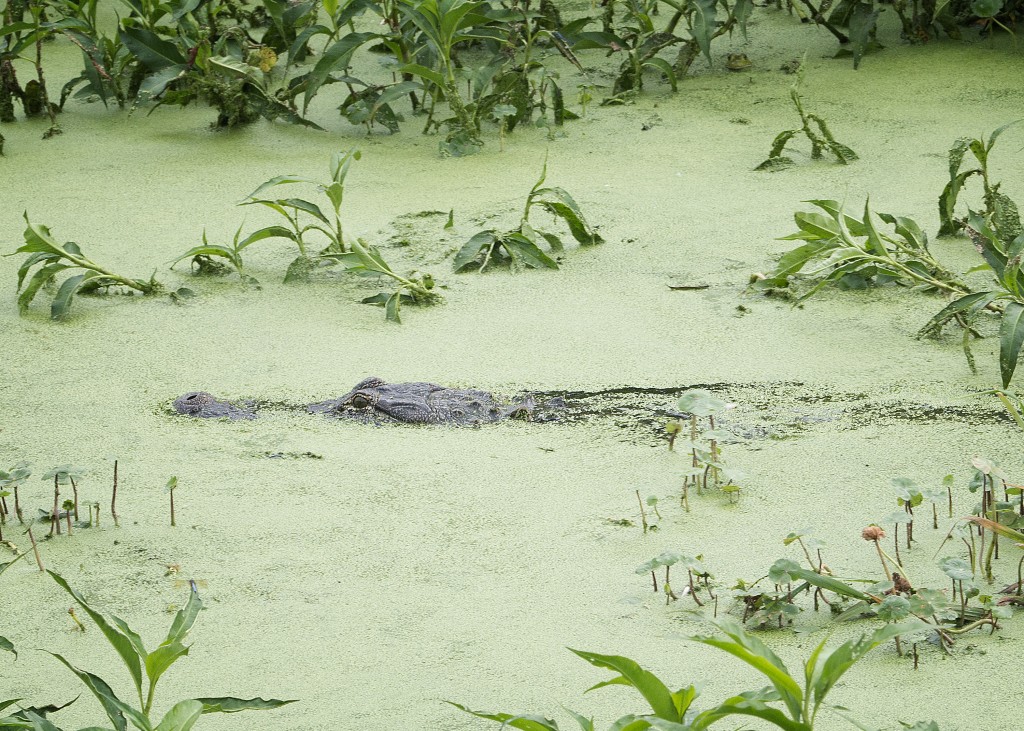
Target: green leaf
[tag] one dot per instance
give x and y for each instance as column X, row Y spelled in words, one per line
column 657, row 695
column 60, row 308
column 525, row 723
column 525, row 252
column 182, row 716
column 162, row 658
column 472, row 248
column 424, row 73
column 279, row 180
column 756, row 654
column 127, row 644
column 265, row 233
column 700, row 403
column 153, row 52
column 969, row 304
column 703, row 26
column 6, row 644
column 740, row 705
column 1011, row 336
column 833, row 665
column 338, row 55
column 228, row 704
column 114, row 707
column 41, row 277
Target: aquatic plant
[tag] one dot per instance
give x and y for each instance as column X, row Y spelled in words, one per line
column 417, row 288
column 172, row 483
column 521, row 246
column 694, row 568
column 110, row 69
column 1001, row 212
column 145, row 668
column 800, row 705
column 14, row 478
column 1006, row 299
column 821, row 140
column 856, row 253
column 205, row 256
column 18, row 39
column 50, row 258
column 443, row 24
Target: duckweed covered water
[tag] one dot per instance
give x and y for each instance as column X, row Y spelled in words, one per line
column 411, row 565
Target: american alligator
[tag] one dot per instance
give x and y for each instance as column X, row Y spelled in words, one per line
column 373, row 400
column 766, row 410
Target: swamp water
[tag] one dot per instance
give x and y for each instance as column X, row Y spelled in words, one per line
column 404, row 566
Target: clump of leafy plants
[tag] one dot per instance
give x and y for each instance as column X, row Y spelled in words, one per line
column 697, row 575
column 522, row 246
column 1000, row 211
column 48, row 259
column 145, row 668
column 321, row 239
column 821, row 139
column 704, row 445
column 800, row 703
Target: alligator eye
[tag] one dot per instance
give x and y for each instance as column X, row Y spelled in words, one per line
column 359, row 401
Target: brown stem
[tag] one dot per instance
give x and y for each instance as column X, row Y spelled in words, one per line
column 113, row 499
column 55, row 518
column 643, row 515
column 75, row 488
column 35, row 549
column 885, row 566
column 172, row 508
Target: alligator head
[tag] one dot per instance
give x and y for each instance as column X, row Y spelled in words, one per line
column 207, row 406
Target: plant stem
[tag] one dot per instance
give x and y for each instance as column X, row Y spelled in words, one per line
column 643, row 515
column 35, row 549
column 113, row 499
column 74, row 487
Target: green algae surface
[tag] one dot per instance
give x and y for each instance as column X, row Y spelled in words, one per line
column 373, row 572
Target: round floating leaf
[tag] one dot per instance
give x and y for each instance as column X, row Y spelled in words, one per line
column 701, row 403
column 894, row 608
column 956, row 568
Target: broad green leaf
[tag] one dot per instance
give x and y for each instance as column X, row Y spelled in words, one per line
column 337, row 56
column 657, row 695
column 834, row 665
column 525, row 252
column 525, row 723
column 701, row 403
column 969, row 304
column 128, row 646
column 153, row 52
column 756, row 654
column 182, row 716
column 265, row 233
column 664, row 67
column 1011, row 336
column 7, row 645
column 472, row 248
column 739, row 705
column 114, row 707
column 703, row 26
column 60, row 308
column 424, row 73
column 38, row 280
column 278, row 180
column 228, row 704
column 162, row 658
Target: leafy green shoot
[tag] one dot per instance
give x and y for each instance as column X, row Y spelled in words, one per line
column 48, row 258
column 522, row 246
